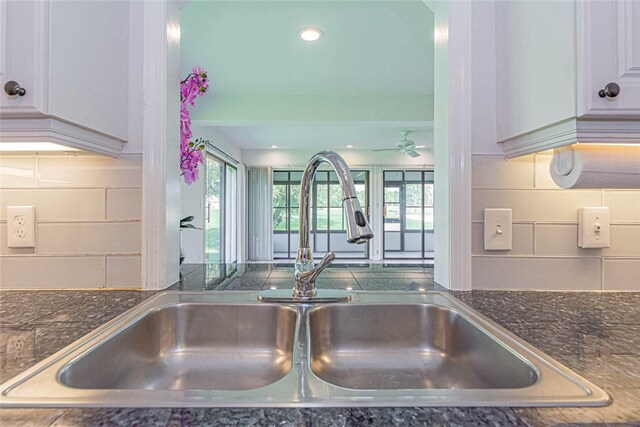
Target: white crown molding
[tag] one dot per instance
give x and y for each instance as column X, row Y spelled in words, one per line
column 59, row 132
column 573, row 131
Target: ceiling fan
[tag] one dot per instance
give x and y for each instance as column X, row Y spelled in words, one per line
column 405, row 146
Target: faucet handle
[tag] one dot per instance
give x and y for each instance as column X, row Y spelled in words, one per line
column 325, row 262
column 311, row 275
column 305, row 280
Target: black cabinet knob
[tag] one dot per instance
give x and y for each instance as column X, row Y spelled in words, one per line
column 12, row 88
column 610, row 91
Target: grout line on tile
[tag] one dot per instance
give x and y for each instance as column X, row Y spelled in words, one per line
column 37, row 171
column 100, row 187
column 104, row 195
column 602, row 274
column 104, row 271
column 89, row 221
column 546, row 257
column 535, row 171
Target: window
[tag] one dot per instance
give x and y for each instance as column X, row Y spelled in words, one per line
column 327, row 221
column 408, row 214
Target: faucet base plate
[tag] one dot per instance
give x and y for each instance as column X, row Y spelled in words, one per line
column 286, row 296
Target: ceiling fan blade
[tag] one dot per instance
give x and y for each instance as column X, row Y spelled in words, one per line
column 387, row 149
column 413, row 153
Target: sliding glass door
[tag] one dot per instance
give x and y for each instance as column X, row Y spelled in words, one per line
column 231, row 207
column 221, row 211
column 214, row 215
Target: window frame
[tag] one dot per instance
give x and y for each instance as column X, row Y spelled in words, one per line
column 326, row 178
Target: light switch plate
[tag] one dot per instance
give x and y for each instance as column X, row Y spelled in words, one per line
column 21, row 227
column 593, row 228
column 497, row 229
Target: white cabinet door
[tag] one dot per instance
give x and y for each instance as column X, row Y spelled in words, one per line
column 89, row 64
column 610, row 54
column 72, row 58
column 23, row 55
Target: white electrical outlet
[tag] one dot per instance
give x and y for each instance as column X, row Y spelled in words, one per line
column 21, row 227
column 593, row 228
column 497, row 229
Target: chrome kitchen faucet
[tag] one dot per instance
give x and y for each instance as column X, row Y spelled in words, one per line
column 358, row 231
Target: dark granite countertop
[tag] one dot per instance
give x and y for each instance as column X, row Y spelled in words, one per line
column 595, row 334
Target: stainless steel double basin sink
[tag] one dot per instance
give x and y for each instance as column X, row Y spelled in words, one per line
column 225, row 349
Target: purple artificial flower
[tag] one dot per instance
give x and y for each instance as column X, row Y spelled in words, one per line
column 196, row 84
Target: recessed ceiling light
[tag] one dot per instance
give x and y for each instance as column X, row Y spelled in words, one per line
column 349, row 146
column 274, row 146
column 310, row 34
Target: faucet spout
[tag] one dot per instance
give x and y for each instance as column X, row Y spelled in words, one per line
column 358, row 228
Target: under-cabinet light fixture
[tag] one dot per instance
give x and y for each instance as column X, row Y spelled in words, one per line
column 33, row 147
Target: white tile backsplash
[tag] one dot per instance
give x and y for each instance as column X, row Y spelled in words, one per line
column 551, row 259
column 124, row 203
column 17, row 172
column 89, row 238
column 579, row 274
column 624, row 205
column 89, row 171
column 621, row 274
column 543, row 177
column 515, row 173
column 88, row 221
column 56, row 203
column 124, row 271
column 521, row 240
column 535, row 205
column 562, row 240
column 42, row 272
column 89, row 209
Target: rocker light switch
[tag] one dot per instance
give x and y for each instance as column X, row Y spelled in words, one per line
column 593, row 228
column 497, row 229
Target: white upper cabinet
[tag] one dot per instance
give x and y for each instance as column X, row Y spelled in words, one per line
column 610, row 41
column 72, row 60
column 567, row 72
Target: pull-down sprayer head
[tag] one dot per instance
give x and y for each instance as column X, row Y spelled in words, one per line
column 358, row 228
